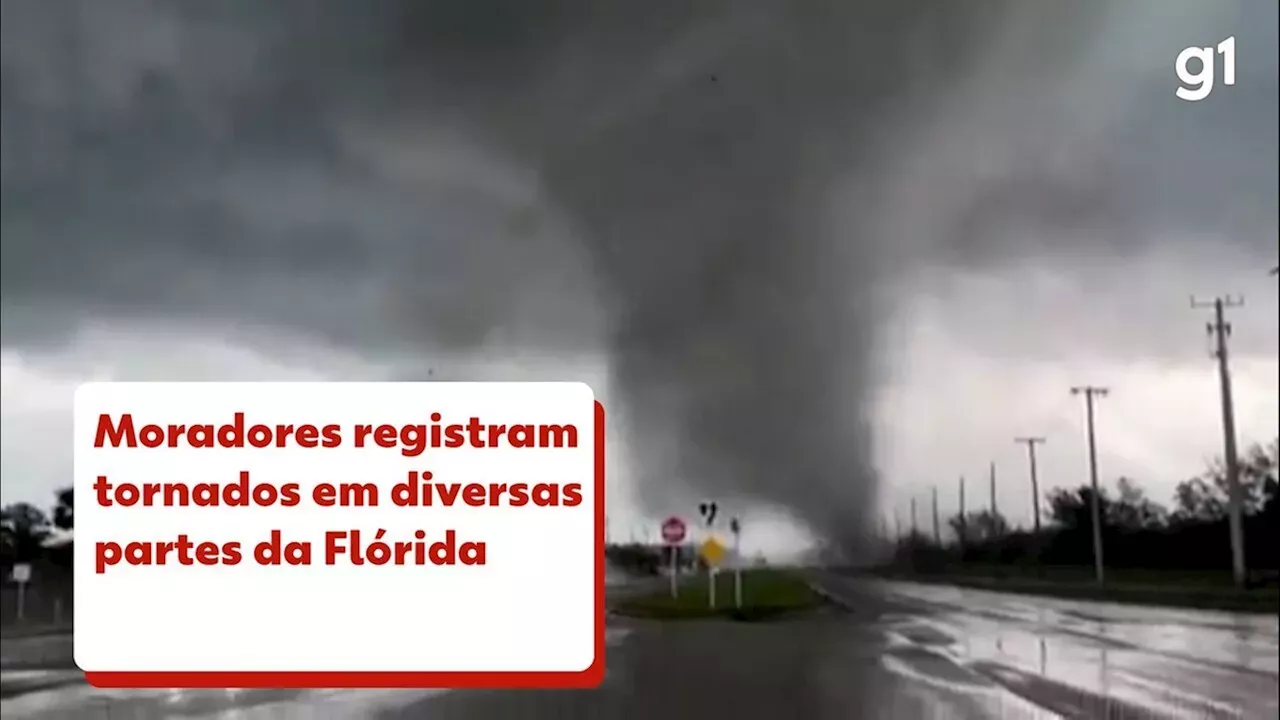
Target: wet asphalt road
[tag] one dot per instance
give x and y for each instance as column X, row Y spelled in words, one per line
column 895, row 651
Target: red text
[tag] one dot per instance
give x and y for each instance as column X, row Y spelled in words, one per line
column 230, row 435
column 371, row 548
column 205, row 494
column 413, row 440
column 419, row 491
column 181, row 551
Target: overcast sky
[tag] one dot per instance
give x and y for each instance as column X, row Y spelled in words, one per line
column 196, row 192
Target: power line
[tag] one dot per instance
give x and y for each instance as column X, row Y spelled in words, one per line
column 1220, row 329
column 1091, row 392
column 1031, row 443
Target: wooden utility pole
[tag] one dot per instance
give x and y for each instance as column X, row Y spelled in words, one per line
column 995, row 511
column 1031, row 443
column 1220, row 329
column 1090, row 393
column 937, row 526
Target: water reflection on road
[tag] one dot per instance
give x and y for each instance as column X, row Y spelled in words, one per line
column 902, row 650
column 82, row 701
column 1069, row 656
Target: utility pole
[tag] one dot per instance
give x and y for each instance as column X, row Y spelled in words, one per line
column 913, row 519
column 964, row 521
column 1091, row 392
column 1031, row 443
column 997, row 527
column 937, row 526
column 1220, row 329
column 995, row 511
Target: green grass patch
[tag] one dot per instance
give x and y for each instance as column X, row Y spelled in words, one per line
column 766, row 594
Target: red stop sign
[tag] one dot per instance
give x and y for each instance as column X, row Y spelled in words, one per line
column 673, row 530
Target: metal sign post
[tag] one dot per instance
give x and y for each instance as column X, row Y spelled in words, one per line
column 712, row 553
column 673, row 532
column 21, row 575
column 708, row 512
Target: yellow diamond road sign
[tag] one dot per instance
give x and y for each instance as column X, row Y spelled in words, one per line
column 712, row 552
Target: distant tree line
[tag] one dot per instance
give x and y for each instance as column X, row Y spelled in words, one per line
column 24, row 528
column 1138, row 532
column 1190, row 534
column 636, row 557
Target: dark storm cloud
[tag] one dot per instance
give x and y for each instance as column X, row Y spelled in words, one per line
column 182, row 159
column 722, row 178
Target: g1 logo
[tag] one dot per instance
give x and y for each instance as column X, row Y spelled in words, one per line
column 1197, row 86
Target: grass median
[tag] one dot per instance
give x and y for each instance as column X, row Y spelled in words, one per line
column 766, row 594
